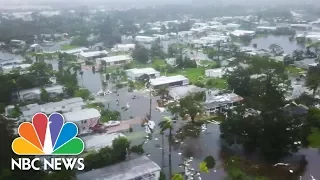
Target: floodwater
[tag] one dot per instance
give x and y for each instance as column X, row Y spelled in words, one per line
column 208, row 143
column 283, row 41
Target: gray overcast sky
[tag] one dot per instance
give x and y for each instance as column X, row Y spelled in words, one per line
column 269, row 2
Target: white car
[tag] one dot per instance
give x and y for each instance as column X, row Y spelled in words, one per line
column 112, row 123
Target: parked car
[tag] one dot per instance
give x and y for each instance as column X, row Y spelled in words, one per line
column 112, row 123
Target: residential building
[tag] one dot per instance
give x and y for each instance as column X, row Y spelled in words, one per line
column 239, row 33
column 98, row 141
column 139, row 168
column 84, row 118
column 17, row 43
column 7, row 62
column 115, row 60
column 169, row 81
column 266, row 29
column 171, row 61
column 76, row 51
column 63, row 106
column 34, row 93
column 145, row 39
column 179, row 92
column 300, row 26
column 124, row 47
column 216, row 103
column 8, row 68
column 218, row 72
column 135, row 73
column 92, row 55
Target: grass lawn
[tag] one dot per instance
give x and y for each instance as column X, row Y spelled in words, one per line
column 191, row 73
column 294, row 70
column 208, row 62
column 158, row 63
column 220, row 83
column 68, row 47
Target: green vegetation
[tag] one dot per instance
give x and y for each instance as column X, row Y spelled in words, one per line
column 99, row 106
column 68, row 47
column 292, row 70
column 109, row 115
column 314, row 138
column 191, row 73
column 108, row 155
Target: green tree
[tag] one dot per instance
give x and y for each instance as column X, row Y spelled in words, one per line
column 80, row 41
column 44, row 96
column 167, row 124
column 276, row 49
column 190, row 105
column 120, row 148
column 140, row 53
column 156, row 49
column 313, row 79
column 83, row 93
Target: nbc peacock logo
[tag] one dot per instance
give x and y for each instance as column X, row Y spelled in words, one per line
column 47, row 136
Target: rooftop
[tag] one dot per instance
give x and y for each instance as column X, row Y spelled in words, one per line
column 183, row 91
column 116, row 58
column 82, row 114
column 219, row 100
column 75, row 50
column 122, row 171
column 166, row 80
column 48, row 108
column 142, row 71
column 98, row 141
column 93, row 53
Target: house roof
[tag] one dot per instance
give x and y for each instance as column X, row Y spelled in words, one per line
column 122, row 171
column 220, row 100
column 82, row 114
column 142, row 71
column 64, row 105
column 100, row 140
column 167, row 80
column 93, row 53
column 116, row 58
column 183, row 91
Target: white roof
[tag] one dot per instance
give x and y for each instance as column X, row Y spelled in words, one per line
column 82, row 114
column 142, row 71
column 100, row 140
column 166, row 80
column 116, row 58
column 64, row 105
column 125, row 46
column 76, row 50
column 93, row 53
column 242, row 32
column 267, row 27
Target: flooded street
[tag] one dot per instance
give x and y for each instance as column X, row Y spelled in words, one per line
column 283, row 41
column 208, row 143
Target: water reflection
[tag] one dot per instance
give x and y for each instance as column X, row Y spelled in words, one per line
column 283, row 41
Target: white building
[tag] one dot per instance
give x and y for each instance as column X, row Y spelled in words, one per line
column 266, row 28
column 179, row 92
column 84, row 118
column 63, row 106
column 124, row 47
column 140, row 168
column 75, row 51
column 300, row 26
column 171, row 61
column 218, row 103
column 218, row 72
column 135, row 73
column 170, row 81
column 115, row 60
column 232, row 26
column 145, row 39
column 8, row 68
column 15, row 42
column 34, row 93
column 98, row 141
column 239, row 33
column 92, row 55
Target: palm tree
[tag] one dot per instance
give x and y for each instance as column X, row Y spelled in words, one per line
column 164, row 125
